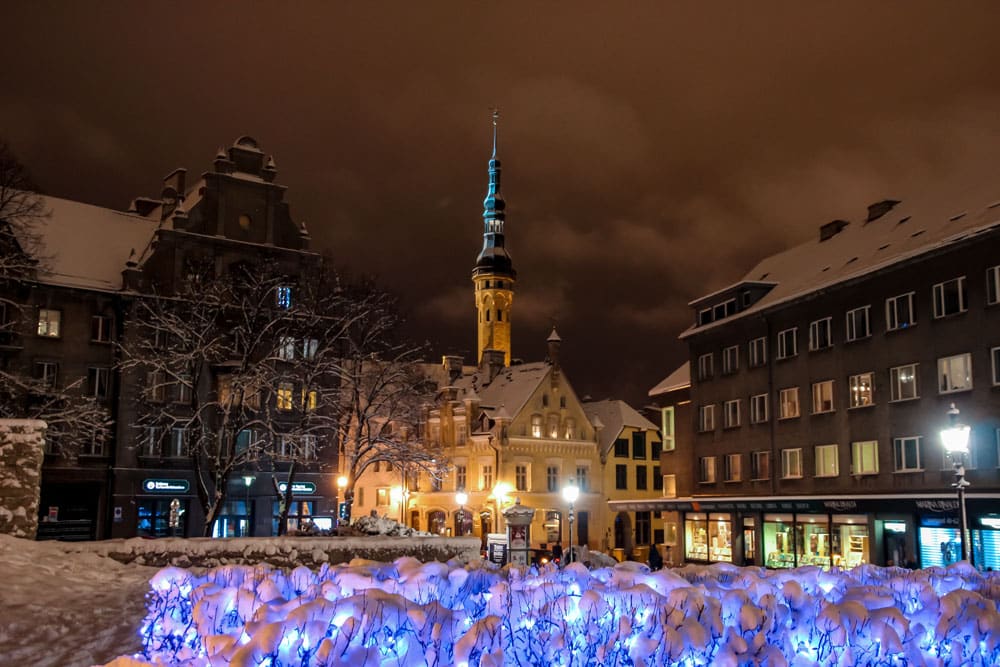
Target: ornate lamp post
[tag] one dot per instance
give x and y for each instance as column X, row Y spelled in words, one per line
column 248, row 482
column 461, row 498
column 955, row 439
column 341, row 486
column 570, row 494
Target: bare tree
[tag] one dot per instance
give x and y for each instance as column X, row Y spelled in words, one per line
column 384, row 396
column 76, row 423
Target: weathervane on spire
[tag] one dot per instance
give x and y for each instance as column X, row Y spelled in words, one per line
column 496, row 117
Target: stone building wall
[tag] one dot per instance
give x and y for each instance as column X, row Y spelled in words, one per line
column 22, row 450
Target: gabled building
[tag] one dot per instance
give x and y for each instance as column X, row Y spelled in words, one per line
column 821, row 382
column 629, row 447
column 73, row 314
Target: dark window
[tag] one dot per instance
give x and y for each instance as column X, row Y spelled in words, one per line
column 641, row 480
column 639, row 445
column 621, row 448
column 655, row 449
column 657, row 479
column 643, row 524
column 621, row 476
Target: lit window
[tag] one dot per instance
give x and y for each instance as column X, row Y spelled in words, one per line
column 899, row 312
column 903, row 383
column 819, row 334
column 486, row 477
column 788, row 403
column 858, row 323
column 49, row 322
column 907, row 454
column 822, row 397
column 788, row 343
column 670, row 486
column 791, row 463
column 949, row 297
column 536, row 426
column 706, row 470
column 955, row 373
column 827, row 461
column 734, row 465
column 864, row 457
column 309, row 399
column 758, row 409
column 862, row 390
column 667, row 422
column 284, row 396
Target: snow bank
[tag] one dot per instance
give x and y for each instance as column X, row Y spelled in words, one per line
column 407, row 613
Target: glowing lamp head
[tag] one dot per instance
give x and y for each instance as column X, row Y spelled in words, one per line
column 501, row 491
column 342, row 482
column 571, row 493
column 396, row 494
column 248, row 480
column 955, row 438
column 461, row 497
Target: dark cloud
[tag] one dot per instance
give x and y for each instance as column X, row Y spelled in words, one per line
column 651, row 154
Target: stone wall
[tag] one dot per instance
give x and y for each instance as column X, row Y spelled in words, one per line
column 22, row 450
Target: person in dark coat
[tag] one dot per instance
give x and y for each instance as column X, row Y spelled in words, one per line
column 557, row 552
column 655, row 559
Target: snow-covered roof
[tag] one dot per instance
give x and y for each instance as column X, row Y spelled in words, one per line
column 615, row 415
column 87, row 246
column 861, row 247
column 509, row 390
column 679, row 379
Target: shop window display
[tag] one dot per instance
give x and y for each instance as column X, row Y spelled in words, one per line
column 720, row 538
column 850, row 545
column 778, row 540
column 812, row 546
column 696, row 536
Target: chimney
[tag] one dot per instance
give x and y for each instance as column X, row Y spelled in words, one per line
column 831, row 229
column 554, row 341
column 223, row 164
column 452, row 365
column 492, row 362
column 175, row 180
column 880, row 208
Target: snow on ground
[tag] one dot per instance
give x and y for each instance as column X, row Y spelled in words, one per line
column 67, row 605
column 67, row 610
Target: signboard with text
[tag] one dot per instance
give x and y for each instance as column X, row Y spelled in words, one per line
column 165, row 485
column 307, row 488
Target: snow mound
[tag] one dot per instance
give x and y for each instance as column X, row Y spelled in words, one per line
column 383, row 525
column 407, row 613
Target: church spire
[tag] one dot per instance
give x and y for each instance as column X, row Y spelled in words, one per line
column 494, row 273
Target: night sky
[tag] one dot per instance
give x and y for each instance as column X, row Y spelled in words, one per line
column 650, row 156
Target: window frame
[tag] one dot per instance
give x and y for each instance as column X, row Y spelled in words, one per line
column 707, row 470
column 815, row 328
column 821, row 454
column 552, row 478
column 730, row 359
column 98, row 376
column 784, row 336
column 706, row 366
column 967, row 358
column 641, row 478
column 706, row 418
column 639, row 445
column 759, row 406
column 852, row 321
column 893, row 322
column 993, row 285
column 787, row 471
column 995, row 365
column 791, row 391
column 856, row 390
column 731, row 419
column 858, row 447
column 284, row 397
column 43, row 325
column 899, row 453
column 733, row 468
column 756, row 457
column 819, row 400
column 621, row 477
column 522, row 476
column 668, row 426
column 896, row 384
column 101, row 329
column 757, row 352
column 940, row 301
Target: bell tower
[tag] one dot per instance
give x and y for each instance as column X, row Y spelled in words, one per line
column 493, row 275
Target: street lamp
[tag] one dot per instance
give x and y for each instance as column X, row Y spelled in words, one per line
column 570, row 493
column 461, row 498
column 342, row 508
column 247, row 482
column 955, row 439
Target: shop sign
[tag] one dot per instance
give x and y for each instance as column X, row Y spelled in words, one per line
column 298, row 487
column 165, row 485
column 895, row 526
column 990, row 522
column 496, row 548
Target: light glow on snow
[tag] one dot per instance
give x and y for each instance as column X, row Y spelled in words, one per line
column 408, row 613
